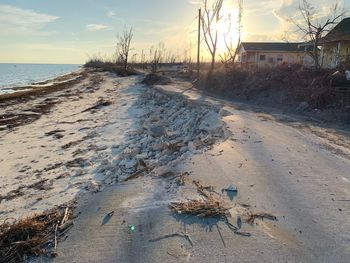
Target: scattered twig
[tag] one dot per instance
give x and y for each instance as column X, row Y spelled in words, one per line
column 65, row 217
column 170, row 254
column 136, row 174
column 222, row 239
column 181, row 178
column 181, row 234
column 262, row 216
column 99, row 104
column 205, row 190
column 55, row 248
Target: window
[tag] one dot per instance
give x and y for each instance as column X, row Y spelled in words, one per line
column 271, row 59
column 262, row 57
column 280, row 57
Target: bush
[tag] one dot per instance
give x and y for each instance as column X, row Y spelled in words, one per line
column 156, row 79
column 107, row 66
column 284, row 86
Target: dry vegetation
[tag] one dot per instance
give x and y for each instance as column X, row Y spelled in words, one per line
column 102, row 65
column 36, row 235
column 278, row 86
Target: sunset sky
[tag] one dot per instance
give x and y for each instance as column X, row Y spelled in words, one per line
column 42, row 31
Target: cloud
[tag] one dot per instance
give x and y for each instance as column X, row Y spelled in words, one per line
column 111, row 13
column 287, row 9
column 96, row 27
column 16, row 20
column 263, row 7
column 195, row 2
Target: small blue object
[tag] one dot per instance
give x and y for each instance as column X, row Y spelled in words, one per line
column 231, row 188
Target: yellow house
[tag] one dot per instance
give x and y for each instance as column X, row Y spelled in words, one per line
column 258, row 55
column 336, row 46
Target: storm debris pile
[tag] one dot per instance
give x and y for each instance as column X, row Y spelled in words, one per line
column 34, row 236
column 170, row 129
column 201, row 208
column 214, row 205
column 211, row 206
column 156, row 79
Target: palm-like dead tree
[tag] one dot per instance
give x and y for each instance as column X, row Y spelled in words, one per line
column 313, row 27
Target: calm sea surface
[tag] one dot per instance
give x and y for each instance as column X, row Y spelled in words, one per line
column 14, row 75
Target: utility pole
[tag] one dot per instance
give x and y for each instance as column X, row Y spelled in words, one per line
column 199, row 40
column 142, row 66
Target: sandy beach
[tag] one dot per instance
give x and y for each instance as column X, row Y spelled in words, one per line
column 123, row 151
column 79, row 137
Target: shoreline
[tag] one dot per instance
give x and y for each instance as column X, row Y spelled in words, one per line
column 29, row 139
column 44, row 83
column 18, row 84
column 28, row 105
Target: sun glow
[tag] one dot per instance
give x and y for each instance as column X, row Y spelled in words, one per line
column 227, row 29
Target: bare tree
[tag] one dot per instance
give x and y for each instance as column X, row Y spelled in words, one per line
column 156, row 56
column 230, row 54
column 210, row 19
column 124, row 47
column 313, row 27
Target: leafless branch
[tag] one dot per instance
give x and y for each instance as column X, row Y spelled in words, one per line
column 314, row 28
column 124, row 47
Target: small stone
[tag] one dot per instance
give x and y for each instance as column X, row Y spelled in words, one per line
column 141, row 156
column 129, row 163
column 164, row 171
column 93, row 186
column 183, row 149
column 158, row 146
column 158, row 131
column 108, row 173
column 79, row 172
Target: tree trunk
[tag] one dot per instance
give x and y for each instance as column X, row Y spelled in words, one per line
column 212, row 65
column 126, row 63
column 315, row 52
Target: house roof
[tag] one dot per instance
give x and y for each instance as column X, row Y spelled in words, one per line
column 339, row 32
column 271, row 46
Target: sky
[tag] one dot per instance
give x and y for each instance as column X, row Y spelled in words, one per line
column 62, row 31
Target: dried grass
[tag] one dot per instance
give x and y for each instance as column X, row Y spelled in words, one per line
column 33, row 236
column 212, row 206
column 201, row 208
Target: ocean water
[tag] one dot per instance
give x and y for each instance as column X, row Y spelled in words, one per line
column 16, row 75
